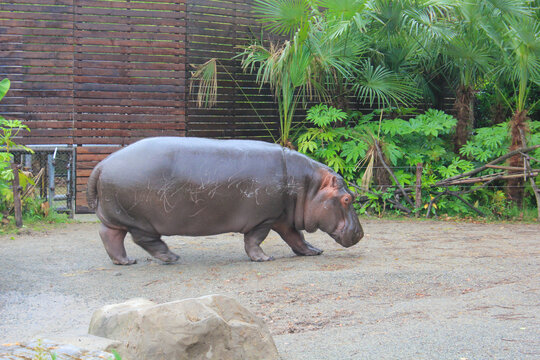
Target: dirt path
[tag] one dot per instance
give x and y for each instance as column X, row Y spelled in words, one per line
column 420, row 290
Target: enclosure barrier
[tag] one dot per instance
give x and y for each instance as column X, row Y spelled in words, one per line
column 52, row 169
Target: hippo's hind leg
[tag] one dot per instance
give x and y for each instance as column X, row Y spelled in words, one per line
column 252, row 242
column 295, row 239
column 113, row 240
column 154, row 246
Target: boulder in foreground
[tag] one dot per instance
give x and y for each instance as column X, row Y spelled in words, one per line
column 210, row 327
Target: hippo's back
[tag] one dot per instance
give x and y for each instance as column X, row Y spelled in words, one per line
column 191, row 186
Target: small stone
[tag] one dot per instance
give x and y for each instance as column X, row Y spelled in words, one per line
column 68, row 350
column 44, row 349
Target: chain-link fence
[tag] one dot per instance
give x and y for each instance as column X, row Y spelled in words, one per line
column 57, row 181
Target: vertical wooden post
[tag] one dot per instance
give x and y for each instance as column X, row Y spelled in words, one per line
column 418, row 189
column 17, row 195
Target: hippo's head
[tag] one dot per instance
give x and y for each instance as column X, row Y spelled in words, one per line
column 330, row 208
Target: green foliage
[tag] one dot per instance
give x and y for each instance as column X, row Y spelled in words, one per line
column 487, row 143
column 9, row 129
column 422, row 139
column 116, row 356
column 328, row 56
column 42, row 353
column 534, row 127
column 323, row 116
column 340, row 148
column 283, row 17
column 4, row 87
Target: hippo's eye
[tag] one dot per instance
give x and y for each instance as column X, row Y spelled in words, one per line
column 346, row 200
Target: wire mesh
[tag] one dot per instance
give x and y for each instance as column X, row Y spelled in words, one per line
column 57, row 183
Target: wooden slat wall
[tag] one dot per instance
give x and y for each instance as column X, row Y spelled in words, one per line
column 214, row 29
column 129, row 73
column 87, row 158
column 36, row 54
column 129, row 77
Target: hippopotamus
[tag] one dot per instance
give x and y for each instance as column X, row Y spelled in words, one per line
column 200, row 187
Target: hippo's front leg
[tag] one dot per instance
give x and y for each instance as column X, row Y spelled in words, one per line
column 295, row 239
column 252, row 242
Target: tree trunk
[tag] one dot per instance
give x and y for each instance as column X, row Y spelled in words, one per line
column 381, row 179
column 515, row 186
column 464, row 107
column 499, row 113
column 341, row 102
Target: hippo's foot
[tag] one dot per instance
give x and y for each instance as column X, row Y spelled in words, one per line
column 260, row 257
column 255, row 252
column 168, row 258
column 308, row 250
column 153, row 244
column 252, row 242
column 125, row 261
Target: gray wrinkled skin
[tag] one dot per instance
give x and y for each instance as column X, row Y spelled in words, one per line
column 197, row 187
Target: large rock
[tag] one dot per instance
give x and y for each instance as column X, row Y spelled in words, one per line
column 111, row 321
column 210, row 327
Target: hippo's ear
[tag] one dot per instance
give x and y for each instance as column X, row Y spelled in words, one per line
column 329, row 180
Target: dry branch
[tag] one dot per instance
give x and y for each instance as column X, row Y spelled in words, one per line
column 511, row 168
column 482, row 168
column 396, row 203
column 381, row 159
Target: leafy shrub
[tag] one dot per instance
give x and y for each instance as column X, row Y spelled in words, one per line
column 9, row 129
column 424, row 139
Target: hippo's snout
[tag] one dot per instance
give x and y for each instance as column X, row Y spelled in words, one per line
column 349, row 235
column 351, row 240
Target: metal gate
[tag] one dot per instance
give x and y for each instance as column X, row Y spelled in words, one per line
column 57, row 183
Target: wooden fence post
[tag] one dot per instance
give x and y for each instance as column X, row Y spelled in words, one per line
column 418, row 189
column 17, row 195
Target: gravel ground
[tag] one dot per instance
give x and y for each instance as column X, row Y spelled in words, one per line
column 409, row 289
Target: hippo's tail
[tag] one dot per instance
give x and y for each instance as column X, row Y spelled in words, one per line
column 91, row 187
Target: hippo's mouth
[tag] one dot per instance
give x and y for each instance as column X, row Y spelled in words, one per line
column 347, row 238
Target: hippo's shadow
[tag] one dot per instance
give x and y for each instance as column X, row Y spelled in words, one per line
column 228, row 249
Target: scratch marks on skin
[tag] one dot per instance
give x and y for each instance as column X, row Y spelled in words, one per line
column 248, row 188
column 166, row 192
column 141, row 196
column 293, row 187
column 198, row 212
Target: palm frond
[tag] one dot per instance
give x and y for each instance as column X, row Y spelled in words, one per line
column 4, row 87
column 515, row 8
column 472, row 58
column 428, row 22
column 343, row 9
column 283, row 17
column 383, row 86
column 206, row 77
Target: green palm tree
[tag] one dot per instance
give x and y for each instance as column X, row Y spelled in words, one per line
column 517, row 34
column 328, row 56
column 470, row 56
column 408, row 38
